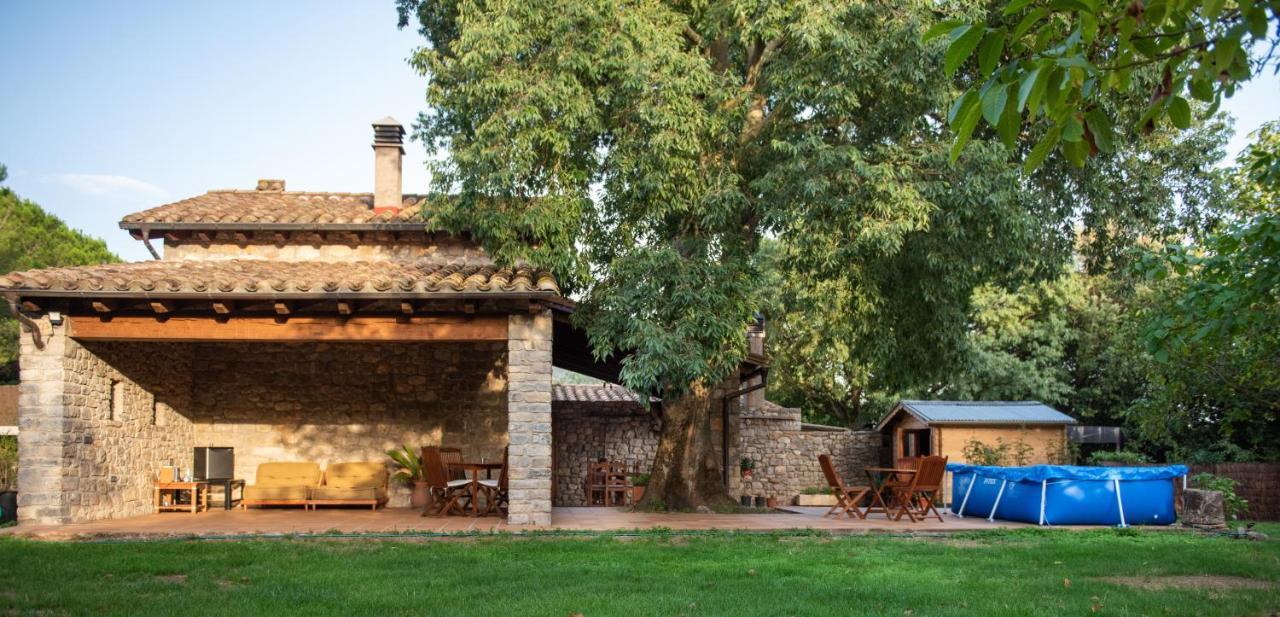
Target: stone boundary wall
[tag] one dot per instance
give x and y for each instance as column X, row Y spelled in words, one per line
column 787, row 460
column 786, row 456
column 581, row 438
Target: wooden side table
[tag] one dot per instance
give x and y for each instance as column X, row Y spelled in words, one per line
column 199, row 496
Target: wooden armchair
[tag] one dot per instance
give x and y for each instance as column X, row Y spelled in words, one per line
column 446, row 494
column 496, row 490
column 847, row 497
column 610, row 481
column 916, row 498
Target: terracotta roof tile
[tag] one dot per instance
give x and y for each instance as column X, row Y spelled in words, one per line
column 267, row 277
column 567, row 393
column 275, row 208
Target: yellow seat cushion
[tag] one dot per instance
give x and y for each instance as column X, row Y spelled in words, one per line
column 332, row 493
column 356, row 475
column 288, row 474
column 276, row 493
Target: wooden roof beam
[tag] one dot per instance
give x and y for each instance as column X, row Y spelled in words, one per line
column 104, row 306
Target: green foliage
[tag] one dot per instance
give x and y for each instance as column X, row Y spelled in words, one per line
column 31, row 238
column 1232, row 504
column 1015, row 453
column 746, row 464
column 409, row 467
column 1051, row 65
column 1213, row 326
column 816, row 490
column 639, row 479
column 8, row 462
column 1127, row 457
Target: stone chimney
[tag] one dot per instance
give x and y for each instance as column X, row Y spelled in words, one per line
column 388, row 152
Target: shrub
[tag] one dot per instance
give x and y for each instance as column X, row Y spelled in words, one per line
column 1232, row 505
column 1127, row 457
column 815, row 490
column 639, row 479
column 8, row 462
column 1017, row 452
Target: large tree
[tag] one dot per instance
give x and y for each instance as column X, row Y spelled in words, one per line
column 32, row 238
column 643, row 151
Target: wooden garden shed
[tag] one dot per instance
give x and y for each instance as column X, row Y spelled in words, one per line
column 922, row 428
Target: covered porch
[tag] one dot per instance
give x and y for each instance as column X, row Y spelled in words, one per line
column 116, row 386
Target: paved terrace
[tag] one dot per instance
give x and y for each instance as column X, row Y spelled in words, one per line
column 218, row 522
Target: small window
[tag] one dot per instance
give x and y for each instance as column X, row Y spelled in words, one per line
column 159, row 413
column 117, row 399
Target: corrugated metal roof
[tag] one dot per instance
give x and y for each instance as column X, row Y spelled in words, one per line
column 981, row 412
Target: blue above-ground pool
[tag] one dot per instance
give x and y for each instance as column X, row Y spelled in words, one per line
column 1066, row 495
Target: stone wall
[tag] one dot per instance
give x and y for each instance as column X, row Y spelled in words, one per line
column 367, row 246
column 582, row 438
column 335, row 402
column 97, row 423
column 786, row 460
column 529, row 420
column 786, row 455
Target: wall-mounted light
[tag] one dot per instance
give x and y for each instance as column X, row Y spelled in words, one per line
column 55, row 318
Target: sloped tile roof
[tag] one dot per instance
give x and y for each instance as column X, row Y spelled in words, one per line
column 270, row 278
column 275, row 208
column 982, row 412
column 577, row 393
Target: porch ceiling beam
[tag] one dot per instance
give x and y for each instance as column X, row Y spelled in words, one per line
column 296, row 328
column 282, row 308
column 406, row 307
column 104, row 306
column 162, row 307
column 346, row 307
column 223, row 307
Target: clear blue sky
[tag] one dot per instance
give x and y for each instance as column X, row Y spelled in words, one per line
column 113, row 107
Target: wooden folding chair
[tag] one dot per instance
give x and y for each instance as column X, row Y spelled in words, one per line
column 497, row 489
column 916, row 499
column 446, row 494
column 847, row 497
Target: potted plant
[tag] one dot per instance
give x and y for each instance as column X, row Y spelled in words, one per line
column 815, row 496
column 638, row 483
column 8, row 478
column 411, row 472
column 746, row 465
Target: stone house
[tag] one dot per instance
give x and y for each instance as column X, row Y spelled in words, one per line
column 328, row 327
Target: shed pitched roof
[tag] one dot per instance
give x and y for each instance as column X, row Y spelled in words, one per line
column 271, row 278
column 229, row 209
column 980, row 412
column 587, row 393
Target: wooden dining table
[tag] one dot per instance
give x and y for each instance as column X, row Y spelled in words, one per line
column 474, row 487
column 878, row 478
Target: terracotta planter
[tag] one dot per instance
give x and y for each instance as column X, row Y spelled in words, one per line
column 746, row 474
column 420, row 496
column 771, row 502
column 637, row 493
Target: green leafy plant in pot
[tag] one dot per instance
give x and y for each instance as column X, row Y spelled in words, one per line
column 746, row 466
column 411, row 472
column 638, row 483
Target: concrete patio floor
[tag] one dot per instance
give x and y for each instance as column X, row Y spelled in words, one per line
column 218, row 522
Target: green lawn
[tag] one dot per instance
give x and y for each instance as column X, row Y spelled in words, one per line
column 1030, row 572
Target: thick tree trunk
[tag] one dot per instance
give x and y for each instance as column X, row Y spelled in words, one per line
column 686, row 471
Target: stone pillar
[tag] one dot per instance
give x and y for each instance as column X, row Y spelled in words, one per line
column 42, row 426
column 529, row 418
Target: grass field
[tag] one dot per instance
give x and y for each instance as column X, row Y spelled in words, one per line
column 1029, row 572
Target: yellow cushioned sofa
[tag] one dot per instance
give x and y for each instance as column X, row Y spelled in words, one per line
column 351, row 484
column 283, row 484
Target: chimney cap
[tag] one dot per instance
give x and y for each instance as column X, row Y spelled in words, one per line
column 271, row 185
column 387, row 133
